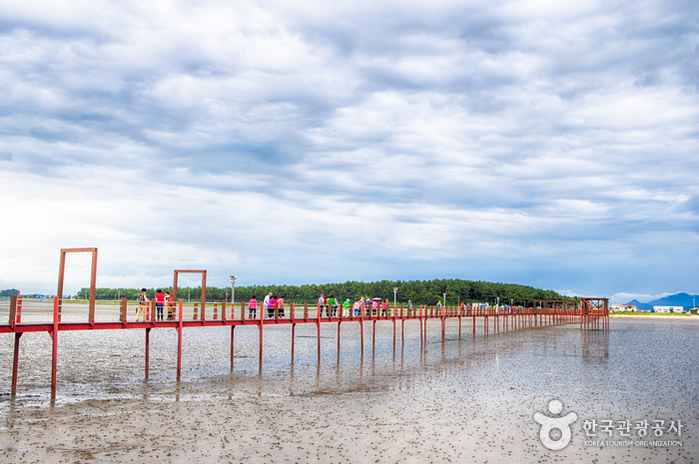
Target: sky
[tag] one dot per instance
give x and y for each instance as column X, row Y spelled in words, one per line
column 544, row 143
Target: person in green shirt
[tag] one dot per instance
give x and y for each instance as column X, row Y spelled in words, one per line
column 331, row 306
column 346, row 308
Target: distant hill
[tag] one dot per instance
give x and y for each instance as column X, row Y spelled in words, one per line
column 679, row 299
column 640, row 305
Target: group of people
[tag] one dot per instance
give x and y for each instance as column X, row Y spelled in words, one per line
column 330, row 305
column 273, row 306
column 271, row 303
column 161, row 300
column 372, row 306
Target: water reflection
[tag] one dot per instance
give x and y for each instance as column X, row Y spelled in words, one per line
column 594, row 346
column 523, row 357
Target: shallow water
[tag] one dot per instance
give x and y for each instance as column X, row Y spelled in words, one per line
column 489, row 386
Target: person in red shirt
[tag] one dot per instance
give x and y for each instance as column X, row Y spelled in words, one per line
column 159, row 303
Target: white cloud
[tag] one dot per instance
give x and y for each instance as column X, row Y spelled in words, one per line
column 511, row 141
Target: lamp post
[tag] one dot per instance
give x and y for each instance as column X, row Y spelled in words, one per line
column 395, row 290
column 233, row 291
column 445, row 299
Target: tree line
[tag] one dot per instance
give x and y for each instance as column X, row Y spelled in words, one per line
column 8, row 292
column 419, row 291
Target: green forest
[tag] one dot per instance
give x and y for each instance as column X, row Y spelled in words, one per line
column 419, row 291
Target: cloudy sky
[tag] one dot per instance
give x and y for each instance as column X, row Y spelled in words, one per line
column 546, row 143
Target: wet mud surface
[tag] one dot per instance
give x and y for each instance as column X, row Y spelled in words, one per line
column 468, row 400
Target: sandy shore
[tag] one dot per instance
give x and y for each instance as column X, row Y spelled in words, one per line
column 319, row 427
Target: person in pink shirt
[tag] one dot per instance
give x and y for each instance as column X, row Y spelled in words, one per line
column 252, row 308
column 272, row 306
column 280, row 306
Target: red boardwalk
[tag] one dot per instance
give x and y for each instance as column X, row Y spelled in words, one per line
column 590, row 313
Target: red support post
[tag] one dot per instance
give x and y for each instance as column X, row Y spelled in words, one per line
column 361, row 328
column 232, row 345
column 338, row 336
column 147, row 350
column 54, row 357
column 444, row 322
column 261, row 322
column 318, row 327
column 373, row 336
column 15, row 364
column 179, row 340
column 19, row 309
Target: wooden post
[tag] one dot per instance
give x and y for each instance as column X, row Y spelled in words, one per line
column 13, row 311
column 123, row 310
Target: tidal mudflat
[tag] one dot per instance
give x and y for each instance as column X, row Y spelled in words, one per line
column 468, row 400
